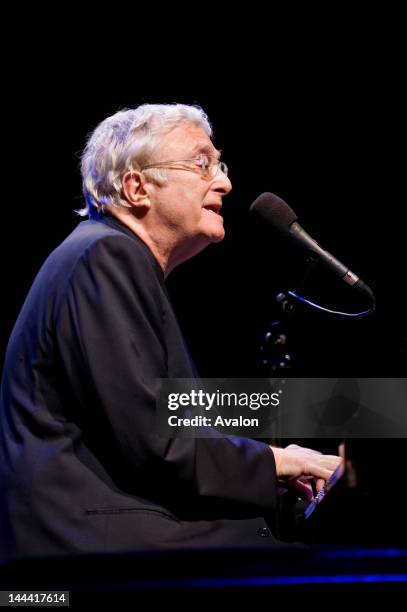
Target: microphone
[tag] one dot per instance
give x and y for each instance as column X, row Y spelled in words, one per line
column 272, row 209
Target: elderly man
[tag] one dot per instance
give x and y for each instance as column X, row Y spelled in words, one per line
column 81, row 466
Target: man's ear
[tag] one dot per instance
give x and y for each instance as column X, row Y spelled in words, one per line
column 134, row 189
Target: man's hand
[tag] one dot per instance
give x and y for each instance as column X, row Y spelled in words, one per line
column 296, row 465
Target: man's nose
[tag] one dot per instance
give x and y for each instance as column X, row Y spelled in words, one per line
column 222, row 183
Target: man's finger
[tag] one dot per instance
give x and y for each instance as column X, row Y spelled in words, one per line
column 304, row 489
column 319, row 484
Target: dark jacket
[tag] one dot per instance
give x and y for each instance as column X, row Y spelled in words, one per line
column 81, row 467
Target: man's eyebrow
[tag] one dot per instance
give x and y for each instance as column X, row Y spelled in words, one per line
column 206, row 148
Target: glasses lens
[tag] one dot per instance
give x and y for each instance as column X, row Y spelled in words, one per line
column 214, row 167
column 223, row 168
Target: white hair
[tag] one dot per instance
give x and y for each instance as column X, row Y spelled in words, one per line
column 125, row 142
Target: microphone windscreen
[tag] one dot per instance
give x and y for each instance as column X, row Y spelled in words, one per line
column 274, row 210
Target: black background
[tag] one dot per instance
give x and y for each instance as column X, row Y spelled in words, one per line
column 332, row 155
column 310, row 107
column 315, row 115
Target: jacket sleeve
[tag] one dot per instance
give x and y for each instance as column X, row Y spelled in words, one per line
column 112, row 350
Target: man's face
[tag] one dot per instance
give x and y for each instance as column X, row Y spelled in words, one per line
column 188, row 206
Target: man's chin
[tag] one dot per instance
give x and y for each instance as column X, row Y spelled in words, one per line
column 218, row 237
column 212, row 226
column 217, row 233
column 209, row 234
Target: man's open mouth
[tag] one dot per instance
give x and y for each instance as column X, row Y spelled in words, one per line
column 213, row 207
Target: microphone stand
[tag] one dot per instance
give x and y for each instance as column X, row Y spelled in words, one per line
column 276, row 358
column 276, row 355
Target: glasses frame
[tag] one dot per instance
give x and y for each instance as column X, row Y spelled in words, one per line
column 207, row 173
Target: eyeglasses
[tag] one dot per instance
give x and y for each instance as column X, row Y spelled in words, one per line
column 207, row 165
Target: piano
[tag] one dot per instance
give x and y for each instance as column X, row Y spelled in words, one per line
column 363, row 503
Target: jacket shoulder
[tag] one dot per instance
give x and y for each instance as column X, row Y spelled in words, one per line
column 92, row 242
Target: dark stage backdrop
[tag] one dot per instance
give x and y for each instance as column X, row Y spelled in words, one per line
column 329, row 147
column 313, row 110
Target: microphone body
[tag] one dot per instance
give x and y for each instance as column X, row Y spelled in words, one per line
column 278, row 213
column 301, row 237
